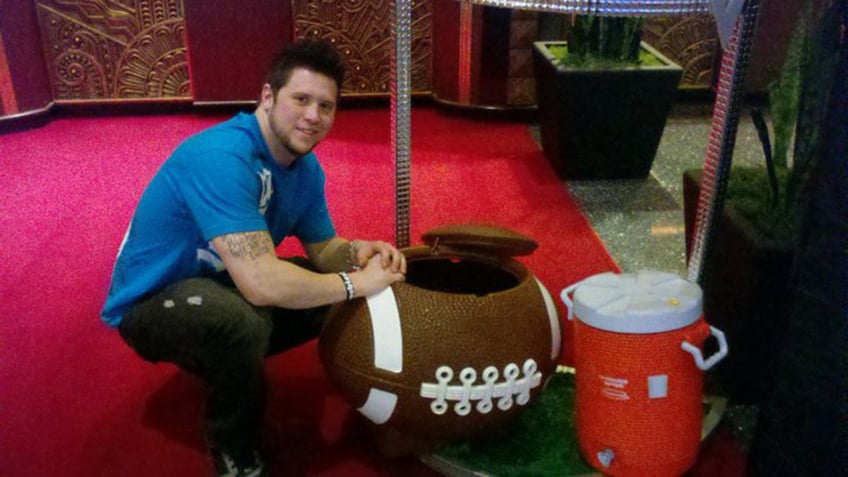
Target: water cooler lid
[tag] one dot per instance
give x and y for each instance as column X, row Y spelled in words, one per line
column 642, row 302
column 481, row 238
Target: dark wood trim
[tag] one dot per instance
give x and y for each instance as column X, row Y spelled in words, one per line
column 34, row 118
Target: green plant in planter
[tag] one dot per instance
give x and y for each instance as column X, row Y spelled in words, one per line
column 771, row 200
column 603, row 98
column 603, row 43
column 747, row 281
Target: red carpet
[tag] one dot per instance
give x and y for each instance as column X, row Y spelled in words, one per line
column 75, row 401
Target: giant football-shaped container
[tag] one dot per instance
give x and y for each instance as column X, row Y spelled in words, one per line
column 458, row 349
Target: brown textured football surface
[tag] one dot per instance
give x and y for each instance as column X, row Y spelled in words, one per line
column 470, row 313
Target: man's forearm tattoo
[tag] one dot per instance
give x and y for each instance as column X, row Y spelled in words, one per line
column 249, row 245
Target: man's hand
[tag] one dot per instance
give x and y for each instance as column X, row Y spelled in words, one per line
column 390, row 258
column 374, row 277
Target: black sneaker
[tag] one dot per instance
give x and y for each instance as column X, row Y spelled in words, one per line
column 227, row 465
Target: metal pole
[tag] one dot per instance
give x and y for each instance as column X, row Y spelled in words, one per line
column 734, row 64
column 401, row 103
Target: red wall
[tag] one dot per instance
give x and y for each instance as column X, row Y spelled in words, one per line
column 230, row 45
column 24, row 56
column 446, row 49
column 489, row 54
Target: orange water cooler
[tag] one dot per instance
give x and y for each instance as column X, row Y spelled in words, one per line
column 639, row 371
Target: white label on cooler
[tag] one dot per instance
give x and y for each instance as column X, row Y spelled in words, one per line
column 658, row 386
column 614, row 388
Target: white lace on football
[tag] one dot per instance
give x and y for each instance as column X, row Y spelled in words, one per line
column 514, row 388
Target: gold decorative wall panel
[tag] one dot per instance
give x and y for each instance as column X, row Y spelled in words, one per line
column 114, row 49
column 135, row 49
column 362, row 30
column 691, row 42
column 521, row 80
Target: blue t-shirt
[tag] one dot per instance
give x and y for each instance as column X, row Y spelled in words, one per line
column 222, row 180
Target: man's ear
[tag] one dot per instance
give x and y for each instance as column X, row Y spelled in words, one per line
column 267, row 97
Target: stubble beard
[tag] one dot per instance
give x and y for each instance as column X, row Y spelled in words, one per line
column 286, row 141
column 294, row 152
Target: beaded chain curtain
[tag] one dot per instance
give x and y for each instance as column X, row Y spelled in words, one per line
column 612, row 8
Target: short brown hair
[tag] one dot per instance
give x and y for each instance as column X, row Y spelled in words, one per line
column 314, row 54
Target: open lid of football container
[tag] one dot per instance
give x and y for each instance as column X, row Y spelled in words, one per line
column 480, row 238
column 642, row 302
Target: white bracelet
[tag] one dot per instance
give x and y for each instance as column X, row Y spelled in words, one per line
column 348, row 284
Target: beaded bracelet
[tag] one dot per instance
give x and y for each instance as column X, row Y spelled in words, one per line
column 348, row 284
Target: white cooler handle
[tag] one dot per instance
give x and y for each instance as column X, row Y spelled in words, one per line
column 567, row 299
column 699, row 358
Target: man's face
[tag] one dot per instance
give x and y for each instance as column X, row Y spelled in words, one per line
column 302, row 112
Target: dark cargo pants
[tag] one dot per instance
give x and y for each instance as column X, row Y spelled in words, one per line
column 210, row 330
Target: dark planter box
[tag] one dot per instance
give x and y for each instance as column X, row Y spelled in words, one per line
column 747, row 290
column 603, row 124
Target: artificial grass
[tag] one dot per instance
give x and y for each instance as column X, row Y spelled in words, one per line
column 542, row 442
column 749, row 192
column 596, row 63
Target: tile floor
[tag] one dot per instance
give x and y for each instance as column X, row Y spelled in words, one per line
column 641, row 220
